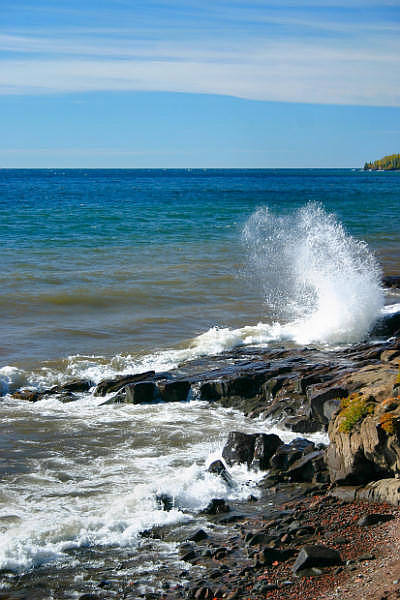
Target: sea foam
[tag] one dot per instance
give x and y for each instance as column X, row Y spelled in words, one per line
column 315, row 277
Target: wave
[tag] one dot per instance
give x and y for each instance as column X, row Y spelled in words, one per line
column 314, row 275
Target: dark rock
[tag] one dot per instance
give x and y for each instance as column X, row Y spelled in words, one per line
column 269, row 555
column 301, row 424
column 198, row 536
column 108, row 386
column 391, row 281
column 142, row 392
column 387, row 326
column 165, row 501
column 218, row 468
column 254, row 450
column 188, row 556
column 265, row 447
column 89, row 597
column 316, row 556
column 66, row 397
column 211, row 391
column 203, row 593
column 262, row 587
column 216, row 506
column 374, row 519
column 239, row 448
column 309, row 468
column 287, row 454
column 76, row 385
column 259, row 539
column 174, row 391
column 220, row 553
column 28, row 395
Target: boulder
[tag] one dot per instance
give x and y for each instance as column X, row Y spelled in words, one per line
column 254, row 450
column 28, row 395
column 174, row 391
column 142, row 392
column 216, row 506
column 218, row 468
column 309, row 468
column 387, row 326
column 108, row 386
column 316, row 556
column 287, row 454
column 76, row 385
column 369, row 449
column 265, row 446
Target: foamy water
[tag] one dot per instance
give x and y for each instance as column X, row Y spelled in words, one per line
column 91, row 474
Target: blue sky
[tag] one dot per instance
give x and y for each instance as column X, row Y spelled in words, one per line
column 173, row 83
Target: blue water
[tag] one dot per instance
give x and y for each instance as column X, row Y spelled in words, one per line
column 108, row 261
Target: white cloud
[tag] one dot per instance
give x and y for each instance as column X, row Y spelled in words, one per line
column 294, row 78
column 343, row 61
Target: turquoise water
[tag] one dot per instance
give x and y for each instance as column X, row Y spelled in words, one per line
column 128, row 261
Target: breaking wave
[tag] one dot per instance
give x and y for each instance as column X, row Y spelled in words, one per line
column 314, row 276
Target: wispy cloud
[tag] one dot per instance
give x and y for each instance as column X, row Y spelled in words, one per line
column 257, row 50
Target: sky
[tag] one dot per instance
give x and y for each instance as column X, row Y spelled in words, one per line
column 198, row 83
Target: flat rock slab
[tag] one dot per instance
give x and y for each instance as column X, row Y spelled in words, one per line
column 316, row 556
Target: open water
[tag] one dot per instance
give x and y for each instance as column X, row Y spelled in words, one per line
column 117, row 271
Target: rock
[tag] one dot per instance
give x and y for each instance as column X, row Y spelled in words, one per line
column 142, row 392
column 287, row 454
column 368, row 448
column 203, row 593
column 165, row 501
column 324, row 400
column 174, row 391
column 374, row 519
column 311, row 572
column 28, row 395
column 316, row 556
column 309, row 468
column 261, row 538
column 66, row 397
column 254, row 450
column 301, row 424
column 216, row 506
column 265, row 446
column 218, row 468
column 262, row 587
column 387, row 326
column 391, row 281
column 108, row 386
column 198, row 536
column 269, row 555
column 76, row 385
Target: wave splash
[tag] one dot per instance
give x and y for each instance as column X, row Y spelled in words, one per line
column 315, row 276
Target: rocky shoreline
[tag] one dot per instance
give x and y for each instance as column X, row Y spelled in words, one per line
column 306, row 532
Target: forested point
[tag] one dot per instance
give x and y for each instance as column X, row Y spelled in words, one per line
column 387, row 163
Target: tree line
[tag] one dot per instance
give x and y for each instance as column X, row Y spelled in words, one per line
column 387, row 163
